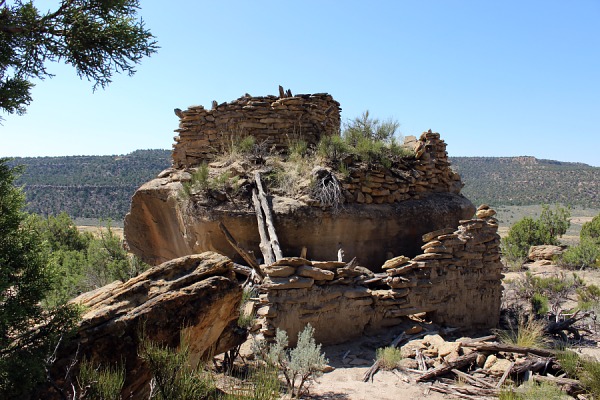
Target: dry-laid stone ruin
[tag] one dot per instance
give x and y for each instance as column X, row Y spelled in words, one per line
column 417, row 245
column 204, row 134
column 455, row 279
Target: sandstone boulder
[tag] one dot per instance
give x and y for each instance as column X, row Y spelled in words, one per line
column 196, row 296
column 544, row 252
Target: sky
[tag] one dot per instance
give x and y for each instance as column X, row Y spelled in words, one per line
column 494, row 78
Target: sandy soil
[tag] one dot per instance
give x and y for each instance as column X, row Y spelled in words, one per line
column 346, row 381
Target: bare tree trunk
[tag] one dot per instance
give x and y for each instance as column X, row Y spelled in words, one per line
column 265, row 246
column 274, row 241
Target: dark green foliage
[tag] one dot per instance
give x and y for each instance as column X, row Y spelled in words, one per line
column 88, row 186
column 365, row 127
column 528, row 181
column 333, row 148
column 588, row 297
column 585, row 255
column 591, row 230
column 24, row 283
column 79, row 262
column 523, row 234
column 174, row 377
column 528, row 232
column 100, row 383
column 97, row 37
column 539, row 304
column 586, row 370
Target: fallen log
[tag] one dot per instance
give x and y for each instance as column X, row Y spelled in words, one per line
column 466, row 392
column 572, row 386
column 495, row 347
column 473, row 380
column 448, row 366
column 245, row 254
column 531, row 365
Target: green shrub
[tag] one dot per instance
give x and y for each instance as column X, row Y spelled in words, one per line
column 533, row 391
column 528, row 232
column 584, row 255
column 245, row 320
column 297, row 148
column 369, row 128
column 585, row 369
column 100, row 383
column 245, row 145
column 591, row 230
column 539, row 304
column 588, row 297
column 333, row 148
column 298, row 365
column 173, row 376
column 388, row 357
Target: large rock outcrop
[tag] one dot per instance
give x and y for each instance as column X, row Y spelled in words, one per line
column 384, row 211
column 197, row 296
column 160, row 227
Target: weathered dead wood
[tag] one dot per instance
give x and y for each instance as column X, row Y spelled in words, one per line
column 420, row 359
column 572, row 386
column 505, row 375
column 478, row 339
column 368, row 376
column 495, row 347
column 531, row 365
column 242, row 269
column 398, row 339
column 245, row 255
column 559, row 326
column 265, row 245
column 273, row 239
column 466, row 392
column 448, row 366
column 473, row 380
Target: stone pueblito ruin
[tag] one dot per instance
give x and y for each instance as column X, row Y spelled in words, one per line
column 421, row 248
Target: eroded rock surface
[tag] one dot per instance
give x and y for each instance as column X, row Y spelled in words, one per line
column 196, row 295
column 159, row 227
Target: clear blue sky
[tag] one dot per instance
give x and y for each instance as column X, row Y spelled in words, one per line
column 503, row 78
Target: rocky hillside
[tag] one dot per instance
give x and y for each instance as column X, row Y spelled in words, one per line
column 88, row 186
column 528, row 180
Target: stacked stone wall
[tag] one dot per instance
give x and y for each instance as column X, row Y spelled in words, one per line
column 411, row 178
column 274, row 121
column 457, row 280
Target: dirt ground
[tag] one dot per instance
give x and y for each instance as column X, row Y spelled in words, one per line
column 351, row 360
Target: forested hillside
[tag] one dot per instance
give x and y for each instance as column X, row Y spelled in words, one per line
column 528, row 180
column 88, row 186
column 102, row 186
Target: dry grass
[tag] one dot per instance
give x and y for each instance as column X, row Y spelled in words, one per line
column 528, row 333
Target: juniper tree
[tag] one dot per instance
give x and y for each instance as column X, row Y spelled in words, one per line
column 24, row 282
column 97, row 37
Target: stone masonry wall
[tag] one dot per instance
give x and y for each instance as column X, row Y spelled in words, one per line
column 203, row 133
column 428, row 172
column 457, row 280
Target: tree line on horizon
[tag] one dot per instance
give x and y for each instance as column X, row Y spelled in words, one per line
column 101, row 186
